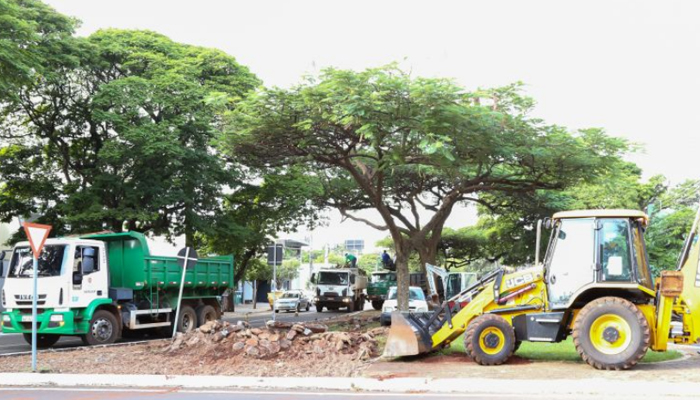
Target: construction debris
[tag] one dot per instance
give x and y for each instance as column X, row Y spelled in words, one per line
column 278, row 340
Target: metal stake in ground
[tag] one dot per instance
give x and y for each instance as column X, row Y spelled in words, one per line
column 37, row 235
column 186, row 259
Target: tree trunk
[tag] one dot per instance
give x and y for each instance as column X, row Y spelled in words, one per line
column 426, row 254
column 403, row 251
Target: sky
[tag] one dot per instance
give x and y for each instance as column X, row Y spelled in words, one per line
column 630, row 67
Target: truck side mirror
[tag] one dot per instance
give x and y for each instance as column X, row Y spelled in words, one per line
column 77, row 278
column 352, row 279
column 2, row 255
column 313, row 278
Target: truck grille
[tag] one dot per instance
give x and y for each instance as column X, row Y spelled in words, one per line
column 25, row 300
column 330, row 294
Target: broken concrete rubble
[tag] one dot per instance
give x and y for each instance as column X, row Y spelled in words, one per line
column 277, row 339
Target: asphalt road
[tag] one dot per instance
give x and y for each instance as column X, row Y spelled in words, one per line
column 14, row 343
column 128, row 394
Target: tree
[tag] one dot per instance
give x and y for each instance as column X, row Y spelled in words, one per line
column 671, row 219
column 122, row 139
column 382, row 140
column 34, row 39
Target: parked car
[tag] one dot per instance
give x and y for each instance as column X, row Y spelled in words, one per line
column 416, row 303
column 293, row 300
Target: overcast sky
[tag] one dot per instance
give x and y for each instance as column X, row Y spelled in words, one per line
column 631, row 67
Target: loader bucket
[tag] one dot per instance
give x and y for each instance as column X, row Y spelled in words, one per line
column 405, row 337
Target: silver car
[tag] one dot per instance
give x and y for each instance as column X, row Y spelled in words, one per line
column 293, row 300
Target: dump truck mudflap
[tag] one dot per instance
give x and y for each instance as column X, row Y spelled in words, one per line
column 406, row 338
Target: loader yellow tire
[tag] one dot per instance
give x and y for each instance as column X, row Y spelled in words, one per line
column 611, row 333
column 489, row 340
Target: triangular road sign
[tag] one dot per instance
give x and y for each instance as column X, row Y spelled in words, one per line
column 37, row 235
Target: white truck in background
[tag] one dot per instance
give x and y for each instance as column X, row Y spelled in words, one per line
column 336, row 288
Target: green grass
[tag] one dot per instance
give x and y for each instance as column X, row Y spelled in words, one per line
column 564, row 351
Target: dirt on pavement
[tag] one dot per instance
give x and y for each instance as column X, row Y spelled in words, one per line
column 221, row 348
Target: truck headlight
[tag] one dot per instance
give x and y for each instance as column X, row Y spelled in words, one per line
column 346, row 300
column 6, row 318
column 56, row 318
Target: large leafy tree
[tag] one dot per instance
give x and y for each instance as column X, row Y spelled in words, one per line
column 34, row 39
column 410, row 147
column 122, row 139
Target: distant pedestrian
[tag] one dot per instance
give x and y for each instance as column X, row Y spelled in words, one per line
column 387, row 261
column 350, row 260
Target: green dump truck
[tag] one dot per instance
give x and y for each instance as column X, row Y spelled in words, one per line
column 103, row 286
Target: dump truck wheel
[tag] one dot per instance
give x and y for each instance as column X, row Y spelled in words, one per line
column 611, row 333
column 205, row 313
column 489, row 340
column 103, row 329
column 187, row 320
column 42, row 341
column 377, row 304
column 319, row 308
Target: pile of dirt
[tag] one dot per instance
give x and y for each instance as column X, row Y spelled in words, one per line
column 278, row 340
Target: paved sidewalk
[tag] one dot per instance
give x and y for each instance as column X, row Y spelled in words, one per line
column 609, row 388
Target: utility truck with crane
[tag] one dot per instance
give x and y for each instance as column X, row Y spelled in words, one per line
column 595, row 285
column 103, row 286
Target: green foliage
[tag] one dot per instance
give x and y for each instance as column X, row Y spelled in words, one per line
column 671, row 220
column 253, row 214
column 34, row 39
column 562, row 351
column 382, row 139
column 122, row 137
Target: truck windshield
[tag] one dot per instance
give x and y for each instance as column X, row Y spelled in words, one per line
column 50, row 262
column 333, row 278
column 383, row 278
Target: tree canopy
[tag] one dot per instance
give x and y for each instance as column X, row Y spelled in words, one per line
column 122, row 138
column 405, row 146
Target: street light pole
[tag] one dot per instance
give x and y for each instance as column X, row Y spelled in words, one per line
column 274, row 280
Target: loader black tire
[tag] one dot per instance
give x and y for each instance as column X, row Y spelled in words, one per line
column 611, row 333
column 489, row 340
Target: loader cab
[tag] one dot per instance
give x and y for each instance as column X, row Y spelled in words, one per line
column 596, row 253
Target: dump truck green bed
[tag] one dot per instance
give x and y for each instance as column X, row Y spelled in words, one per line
column 131, row 266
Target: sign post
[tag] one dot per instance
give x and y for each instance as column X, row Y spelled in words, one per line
column 186, row 259
column 37, row 235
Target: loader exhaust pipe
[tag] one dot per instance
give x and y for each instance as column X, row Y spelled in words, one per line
column 538, row 241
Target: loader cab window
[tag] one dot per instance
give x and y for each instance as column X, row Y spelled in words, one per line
column 643, row 271
column 570, row 260
column 615, row 260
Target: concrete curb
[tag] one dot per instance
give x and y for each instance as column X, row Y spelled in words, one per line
column 607, row 387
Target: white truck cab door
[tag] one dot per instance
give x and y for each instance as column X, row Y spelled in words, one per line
column 88, row 276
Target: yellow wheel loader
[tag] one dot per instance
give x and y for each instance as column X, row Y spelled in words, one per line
column 595, row 285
